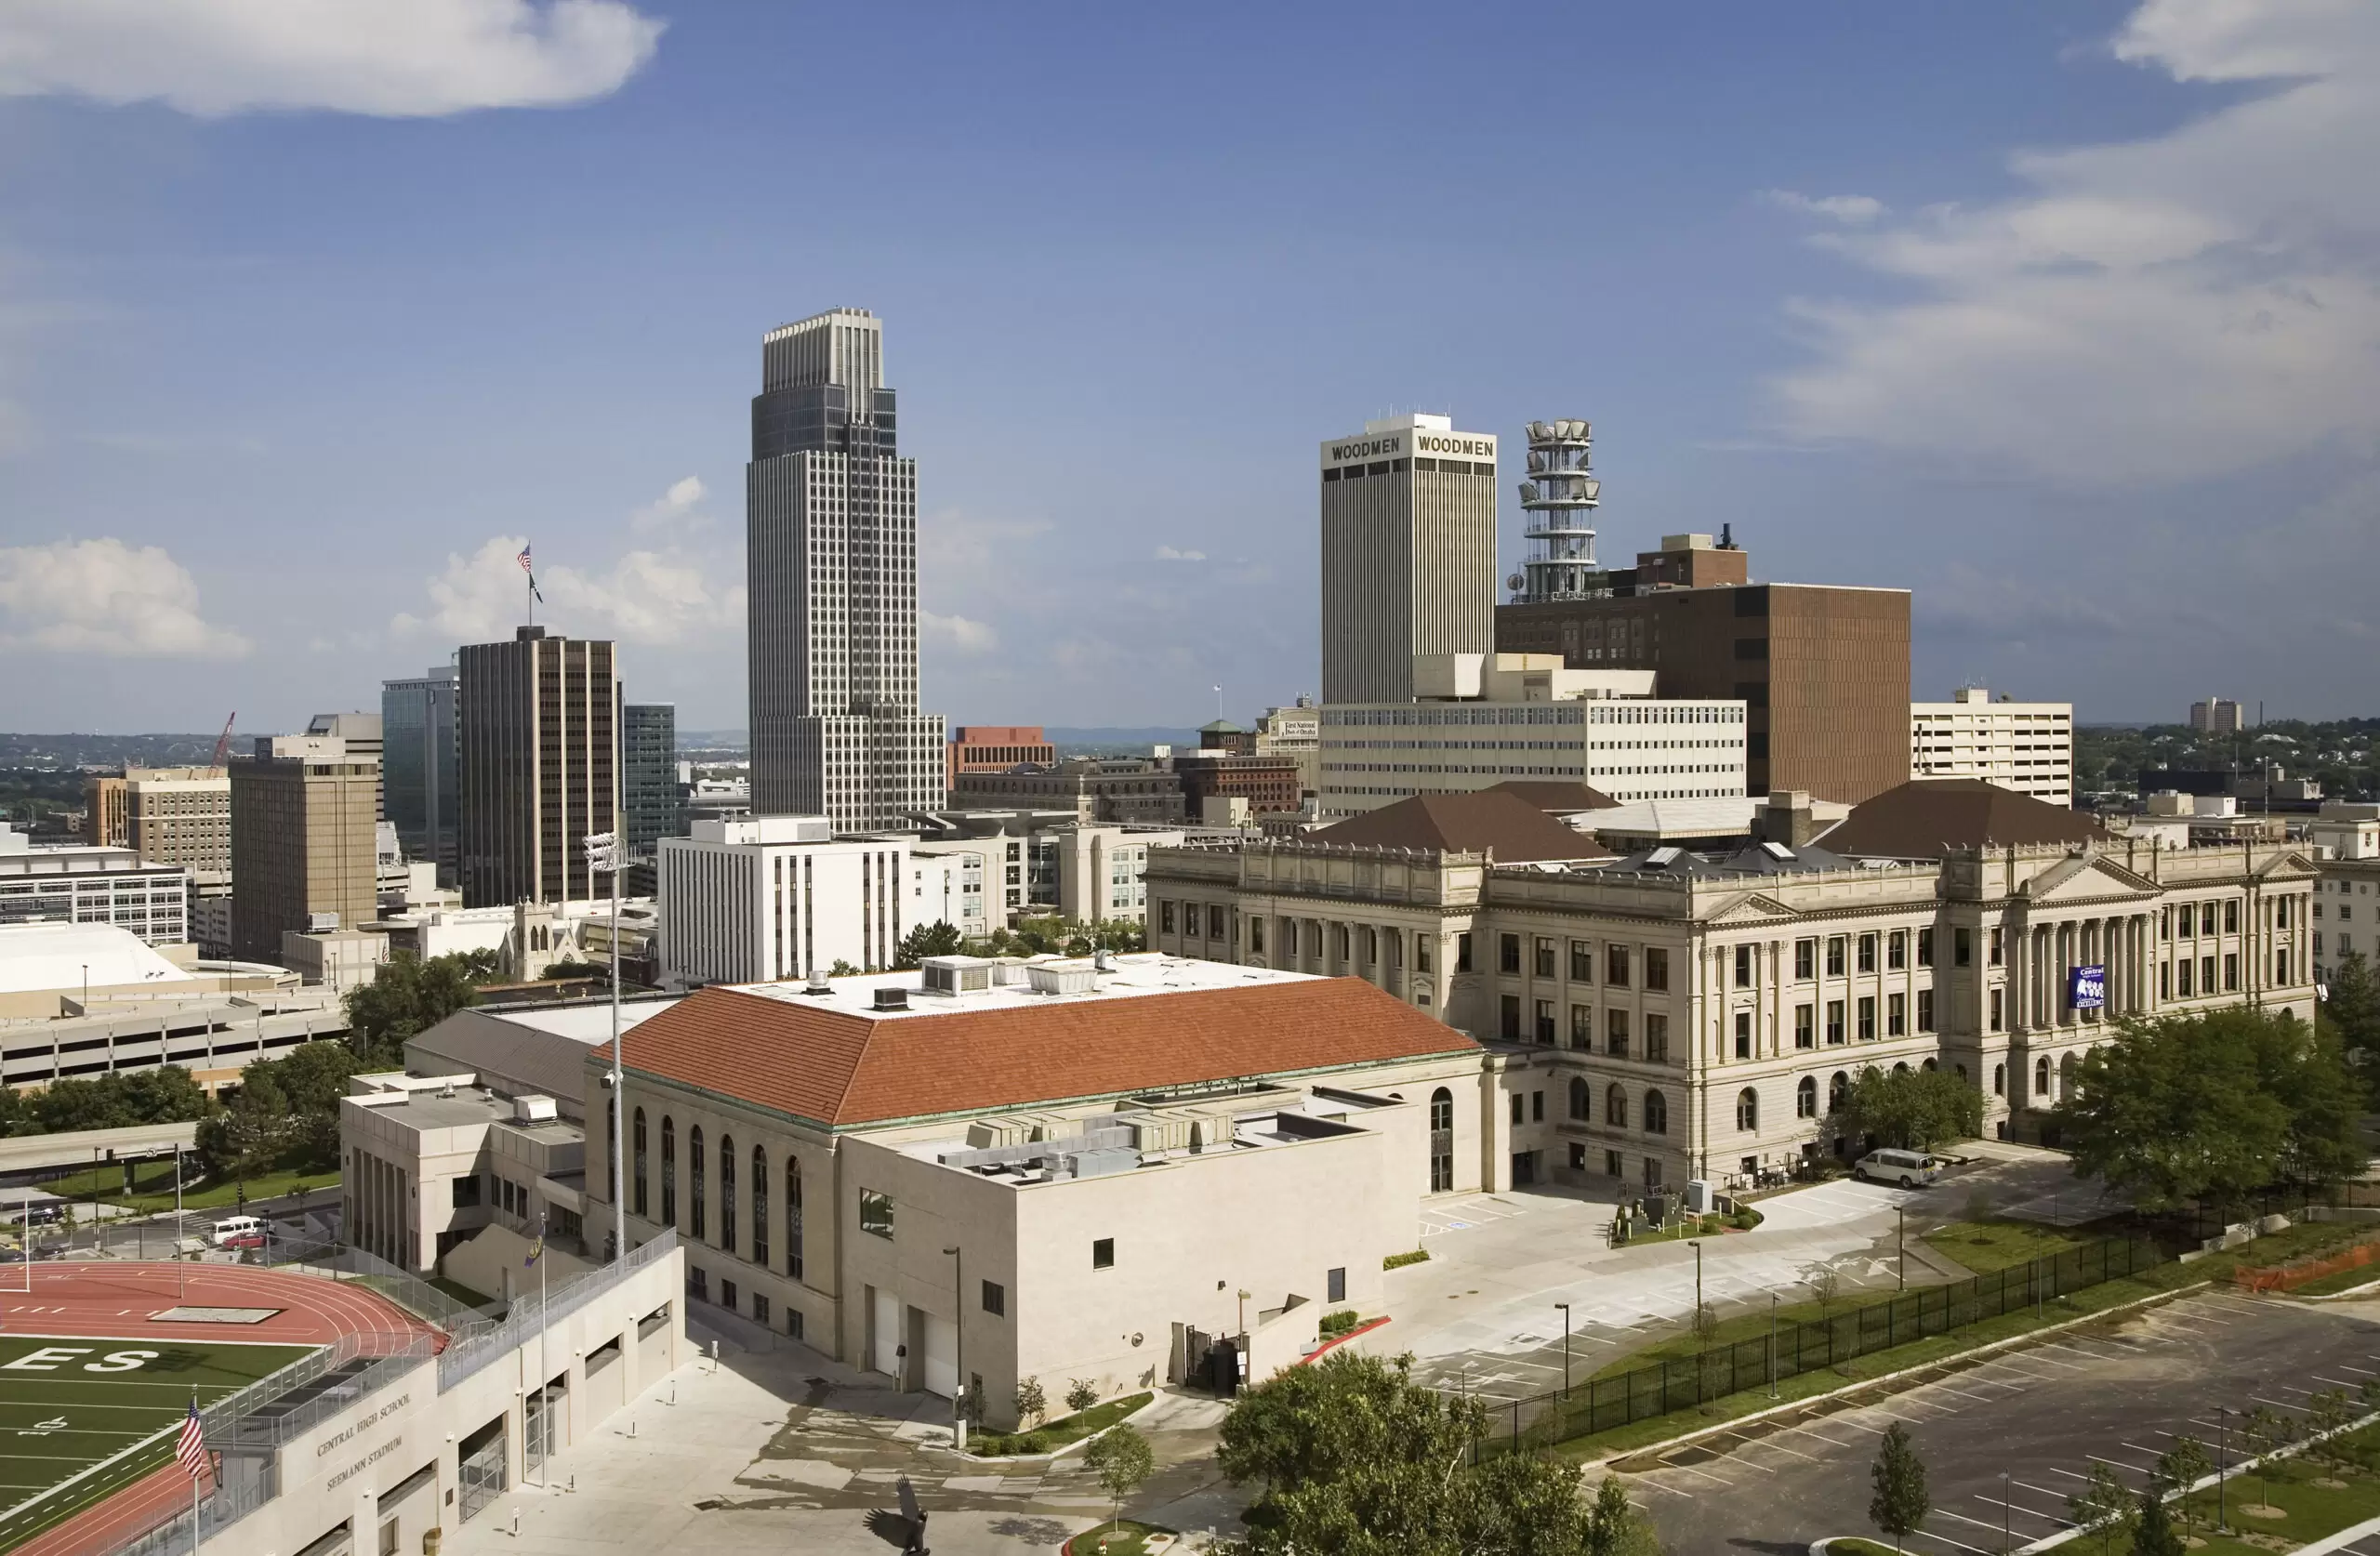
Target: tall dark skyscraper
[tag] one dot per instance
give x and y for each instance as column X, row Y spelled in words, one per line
column 831, row 544
column 420, row 777
column 540, row 767
column 652, row 804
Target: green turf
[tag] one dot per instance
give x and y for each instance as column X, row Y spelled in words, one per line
column 60, row 1421
column 152, row 1188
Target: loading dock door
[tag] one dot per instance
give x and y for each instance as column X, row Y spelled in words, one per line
column 942, row 1356
column 887, row 1308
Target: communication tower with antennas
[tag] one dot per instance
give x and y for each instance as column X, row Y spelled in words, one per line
column 1558, row 502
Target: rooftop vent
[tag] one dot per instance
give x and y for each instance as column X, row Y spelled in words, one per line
column 1063, row 977
column 533, row 1109
column 957, row 975
column 1776, row 850
column 892, row 999
column 1662, row 858
column 819, row 984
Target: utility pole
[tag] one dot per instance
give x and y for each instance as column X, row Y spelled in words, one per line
column 958, row 1347
column 1697, row 1324
column 1566, row 1348
column 1903, row 1260
column 605, row 852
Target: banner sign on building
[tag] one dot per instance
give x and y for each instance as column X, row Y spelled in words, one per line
column 2087, row 988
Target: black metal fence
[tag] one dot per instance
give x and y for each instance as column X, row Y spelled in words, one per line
column 1682, row 1382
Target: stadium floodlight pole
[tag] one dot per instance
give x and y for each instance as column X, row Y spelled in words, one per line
column 604, row 853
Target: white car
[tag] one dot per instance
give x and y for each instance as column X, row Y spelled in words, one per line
column 1908, row 1168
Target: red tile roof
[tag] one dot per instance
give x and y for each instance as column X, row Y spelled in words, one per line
column 1927, row 817
column 840, row 1069
column 1496, row 821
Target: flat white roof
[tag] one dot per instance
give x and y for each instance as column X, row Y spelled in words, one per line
column 37, row 958
column 1135, row 974
column 589, row 1024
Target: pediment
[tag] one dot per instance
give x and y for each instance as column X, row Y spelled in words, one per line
column 2292, row 865
column 2086, row 877
column 1750, row 904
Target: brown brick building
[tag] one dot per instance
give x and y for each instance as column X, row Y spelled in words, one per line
column 1269, row 783
column 1822, row 668
column 996, row 748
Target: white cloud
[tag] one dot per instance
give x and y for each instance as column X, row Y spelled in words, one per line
column 959, row 632
column 649, row 597
column 1167, row 553
column 674, row 510
column 2149, row 312
column 1852, row 210
column 394, row 58
column 106, row 597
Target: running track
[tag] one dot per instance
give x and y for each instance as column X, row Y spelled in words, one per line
column 113, row 1301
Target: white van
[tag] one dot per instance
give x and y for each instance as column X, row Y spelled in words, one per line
column 239, row 1231
column 1908, row 1168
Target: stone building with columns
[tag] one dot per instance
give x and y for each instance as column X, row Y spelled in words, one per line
column 1675, row 1015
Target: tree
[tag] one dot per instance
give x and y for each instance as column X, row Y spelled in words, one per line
column 2104, row 1506
column 2181, row 1466
column 842, row 970
column 937, row 938
column 15, row 1114
column 2305, row 1069
column 1031, row 1403
column 2326, row 1414
column 2352, row 1008
column 1081, row 1395
column 409, row 997
column 2176, row 1110
column 1615, row 1527
column 1900, row 1505
column 285, row 1113
column 2267, row 1430
column 2153, row 1528
column 1355, row 1459
column 1121, row 1458
column 1913, row 1110
column 569, row 968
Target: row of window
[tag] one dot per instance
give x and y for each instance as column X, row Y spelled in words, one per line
column 696, row 1225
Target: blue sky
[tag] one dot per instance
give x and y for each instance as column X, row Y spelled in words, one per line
column 2063, row 315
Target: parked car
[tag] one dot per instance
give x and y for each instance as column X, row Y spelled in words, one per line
column 238, row 1232
column 1908, row 1168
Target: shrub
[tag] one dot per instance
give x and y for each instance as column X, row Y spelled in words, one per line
column 1745, row 1220
column 1031, row 1403
column 1081, row 1395
column 1030, row 1443
column 1337, row 1322
column 1394, row 1261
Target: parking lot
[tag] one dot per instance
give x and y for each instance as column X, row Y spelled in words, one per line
column 2005, row 1441
column 1481, row 1316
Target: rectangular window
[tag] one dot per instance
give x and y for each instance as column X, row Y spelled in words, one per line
column 995, row 1299
column 1806, row 958
column 1508, row 953
column 1743, row 1034
column 1999, row 1009
column 1422, row 956
column 1868, row 953
column 1834, row 956
column 1334, row 1285
column 467, row 1191
column 1256, row 936
column 1537, row 1107
column 1657, row 1039
column 1924, row 948
column 2206, row 918
column 1582, row 962
column 2230, row 973
column 1615, row 966
column 2231, row 917
column 1833, row 1023
column 1544, row 957
column 876, row 1213
column 2206, row 975
column 1897, row 1015
column 1656, row 968
column 1615, row 1033
column 1582, row 1026
column 1924, row 1010
column 1743, row 967
column 1165, row 917
column 1995, row 946
column 1805, row 1020
column 1102, row 1253
column 1463, row 952
column 1508, row 1012
column 1520, row 1107
column 1962, row 947
column 1867, row 1018
column 1896, row 950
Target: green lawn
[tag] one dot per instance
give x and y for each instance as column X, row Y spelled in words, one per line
column 111, row 1408
column 2308, row 1512
column 1058, row 1433
column 153, row 1188
column 1688, row 1227
column 1984, row 1247
column 1855, row 1545
column 2342, row 1280
column 1121, row 1537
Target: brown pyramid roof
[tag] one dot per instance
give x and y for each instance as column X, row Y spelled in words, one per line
column 1925, row 818
column 841, row 1069
column 1494, row 821
column 1559, row 794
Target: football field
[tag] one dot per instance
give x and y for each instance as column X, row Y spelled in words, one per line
column 82, row 1417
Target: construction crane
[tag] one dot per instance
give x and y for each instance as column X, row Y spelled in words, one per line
column 223, row 742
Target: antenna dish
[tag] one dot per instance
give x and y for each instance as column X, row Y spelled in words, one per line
column 1515, row 581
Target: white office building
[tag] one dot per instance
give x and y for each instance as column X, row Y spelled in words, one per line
column 831, row 541
column 2025, row 747
column 946, row 885
column 1408, row 553
column 80, row 883
column 778, row 897
column 1484, row 719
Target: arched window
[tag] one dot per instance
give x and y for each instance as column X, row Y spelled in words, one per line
column 2066, row 1076
column 1999, row 1080
column 1747, row 1110
column 1441, row 1140
column 638, row 1132
column 727, row 1193
column 696, row 1209
column 760, row 1207
column 792, row 1216
column 1901, row 1068
column 1838, row 1091
column 2041, row 1078
column 1657, row 1113
column 1805, row 1098
column 1615, row 1108
column 1579, row 1095
column 1929, row 1064
column 1960, row 1068
column 668, row 1171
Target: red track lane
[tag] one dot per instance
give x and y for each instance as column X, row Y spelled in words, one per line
column 113, row 1301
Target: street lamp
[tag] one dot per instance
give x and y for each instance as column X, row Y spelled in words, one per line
column 2006, row 1543
column 1697, row 1324
column 1566, row 1348
column 1903, row 1258
column 1772, row 1345
column 2222, row 1424
column 957, row 1347
column 603, row 857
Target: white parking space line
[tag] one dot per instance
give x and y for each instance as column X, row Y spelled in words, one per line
column 1821, row 1437
column 1964, row 1519
column 2340, row 1382
column 2042, row 1489
column 1963, row 1544
column 2366, row 1372
column 2135, row 1447
column 2283, row 1404
column 2110, row 1463
column 2069, row 1473
column 2294, row 1388
column 1772, row 1442
column 1702, row 1474
column 1650, row 1483
column 2246, row 1309
column 1983, row 1399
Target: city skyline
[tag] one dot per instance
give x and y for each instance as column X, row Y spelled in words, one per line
column 1964, row 334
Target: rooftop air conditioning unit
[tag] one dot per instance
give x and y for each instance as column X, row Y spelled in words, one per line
column 533, row 1109
column 892, row 999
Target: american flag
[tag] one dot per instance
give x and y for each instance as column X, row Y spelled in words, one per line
column 189, row 1448
column 529, row 568
column 525, row 565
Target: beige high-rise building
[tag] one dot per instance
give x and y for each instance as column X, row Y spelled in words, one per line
column 2025, row 747
column 304, row 824
column 539, row 755
column 1408, row 553
column 167, row 815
